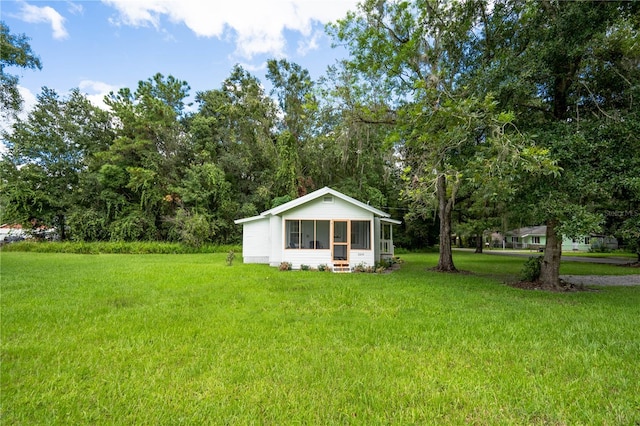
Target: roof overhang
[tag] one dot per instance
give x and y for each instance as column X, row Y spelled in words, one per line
column 320, row 193
column 249, row 219
column 315, row 195
column 389, row 220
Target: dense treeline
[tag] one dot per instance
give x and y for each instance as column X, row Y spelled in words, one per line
column 149, row 169
column 481, row 114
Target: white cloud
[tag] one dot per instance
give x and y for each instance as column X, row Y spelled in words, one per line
column 75, row 8
column 36, row 15
column 95, row 91
column 253, row 68
column 309, row 44
column 257, row 27
column 29, row 101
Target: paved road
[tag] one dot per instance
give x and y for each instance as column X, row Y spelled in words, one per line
column 604, row 280
column 601, row 280
column 607, row 260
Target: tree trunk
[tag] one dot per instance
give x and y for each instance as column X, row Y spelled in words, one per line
column 62, row 226
column 550, row 269
column 445, row 205
column 479, row 243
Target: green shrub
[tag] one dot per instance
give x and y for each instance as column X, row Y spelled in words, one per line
column 531, row 269
column 116, row 247
column 230, row 256
column 285, row 266
column 135, row 226
column 324, row 268
column 362, row 267
column 304, row 267
column 599, row 248
column 384, row 263
column 88, row 225
column 191, row 228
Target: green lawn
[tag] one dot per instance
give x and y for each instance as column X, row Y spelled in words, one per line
column 616, row 254
column 184, row 339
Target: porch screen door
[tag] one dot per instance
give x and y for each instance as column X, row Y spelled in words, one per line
column 340, row 240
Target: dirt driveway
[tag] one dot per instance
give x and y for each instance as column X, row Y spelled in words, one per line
column 599, row 280
column 602, row 280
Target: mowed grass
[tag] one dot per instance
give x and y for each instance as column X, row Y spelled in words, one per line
column 184, row 339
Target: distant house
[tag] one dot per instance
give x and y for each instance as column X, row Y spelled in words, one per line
column 590, row 242
column 324, row 227
column 11, row 232
column 534, row 237
column 530, row 237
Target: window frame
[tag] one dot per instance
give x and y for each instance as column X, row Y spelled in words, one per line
column 300, row 244
column 357, row 233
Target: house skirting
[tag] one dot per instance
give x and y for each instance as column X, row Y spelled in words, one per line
column 255, row 259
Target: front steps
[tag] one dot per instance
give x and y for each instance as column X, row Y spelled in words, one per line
column 341, row 267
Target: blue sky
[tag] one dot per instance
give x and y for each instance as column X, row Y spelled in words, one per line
column 103, row 45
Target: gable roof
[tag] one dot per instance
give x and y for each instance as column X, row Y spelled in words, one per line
column 529, row 230
column 311, row 197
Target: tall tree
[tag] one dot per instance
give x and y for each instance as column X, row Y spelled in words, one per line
column 46, row 154
column 206, row 208
column 294, row 90
column 234, row 128
column 147, row 158
column 15, row 51
column 411, row 54
column 352, row 144
column 571, row 70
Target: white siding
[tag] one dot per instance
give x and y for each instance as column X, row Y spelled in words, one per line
column 365, row 257
column 256, row 241
column 376, row 239
column 319, row 210
column 276, row 244
column 264, row 236
column 312, row 258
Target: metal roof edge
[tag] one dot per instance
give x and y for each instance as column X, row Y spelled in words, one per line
column 319, row 193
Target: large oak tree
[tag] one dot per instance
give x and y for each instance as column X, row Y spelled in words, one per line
column 412, row 56
column 572, row 72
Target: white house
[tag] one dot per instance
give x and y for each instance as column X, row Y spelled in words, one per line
column 534, row 237
column 324, row 227
column 11, row 232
